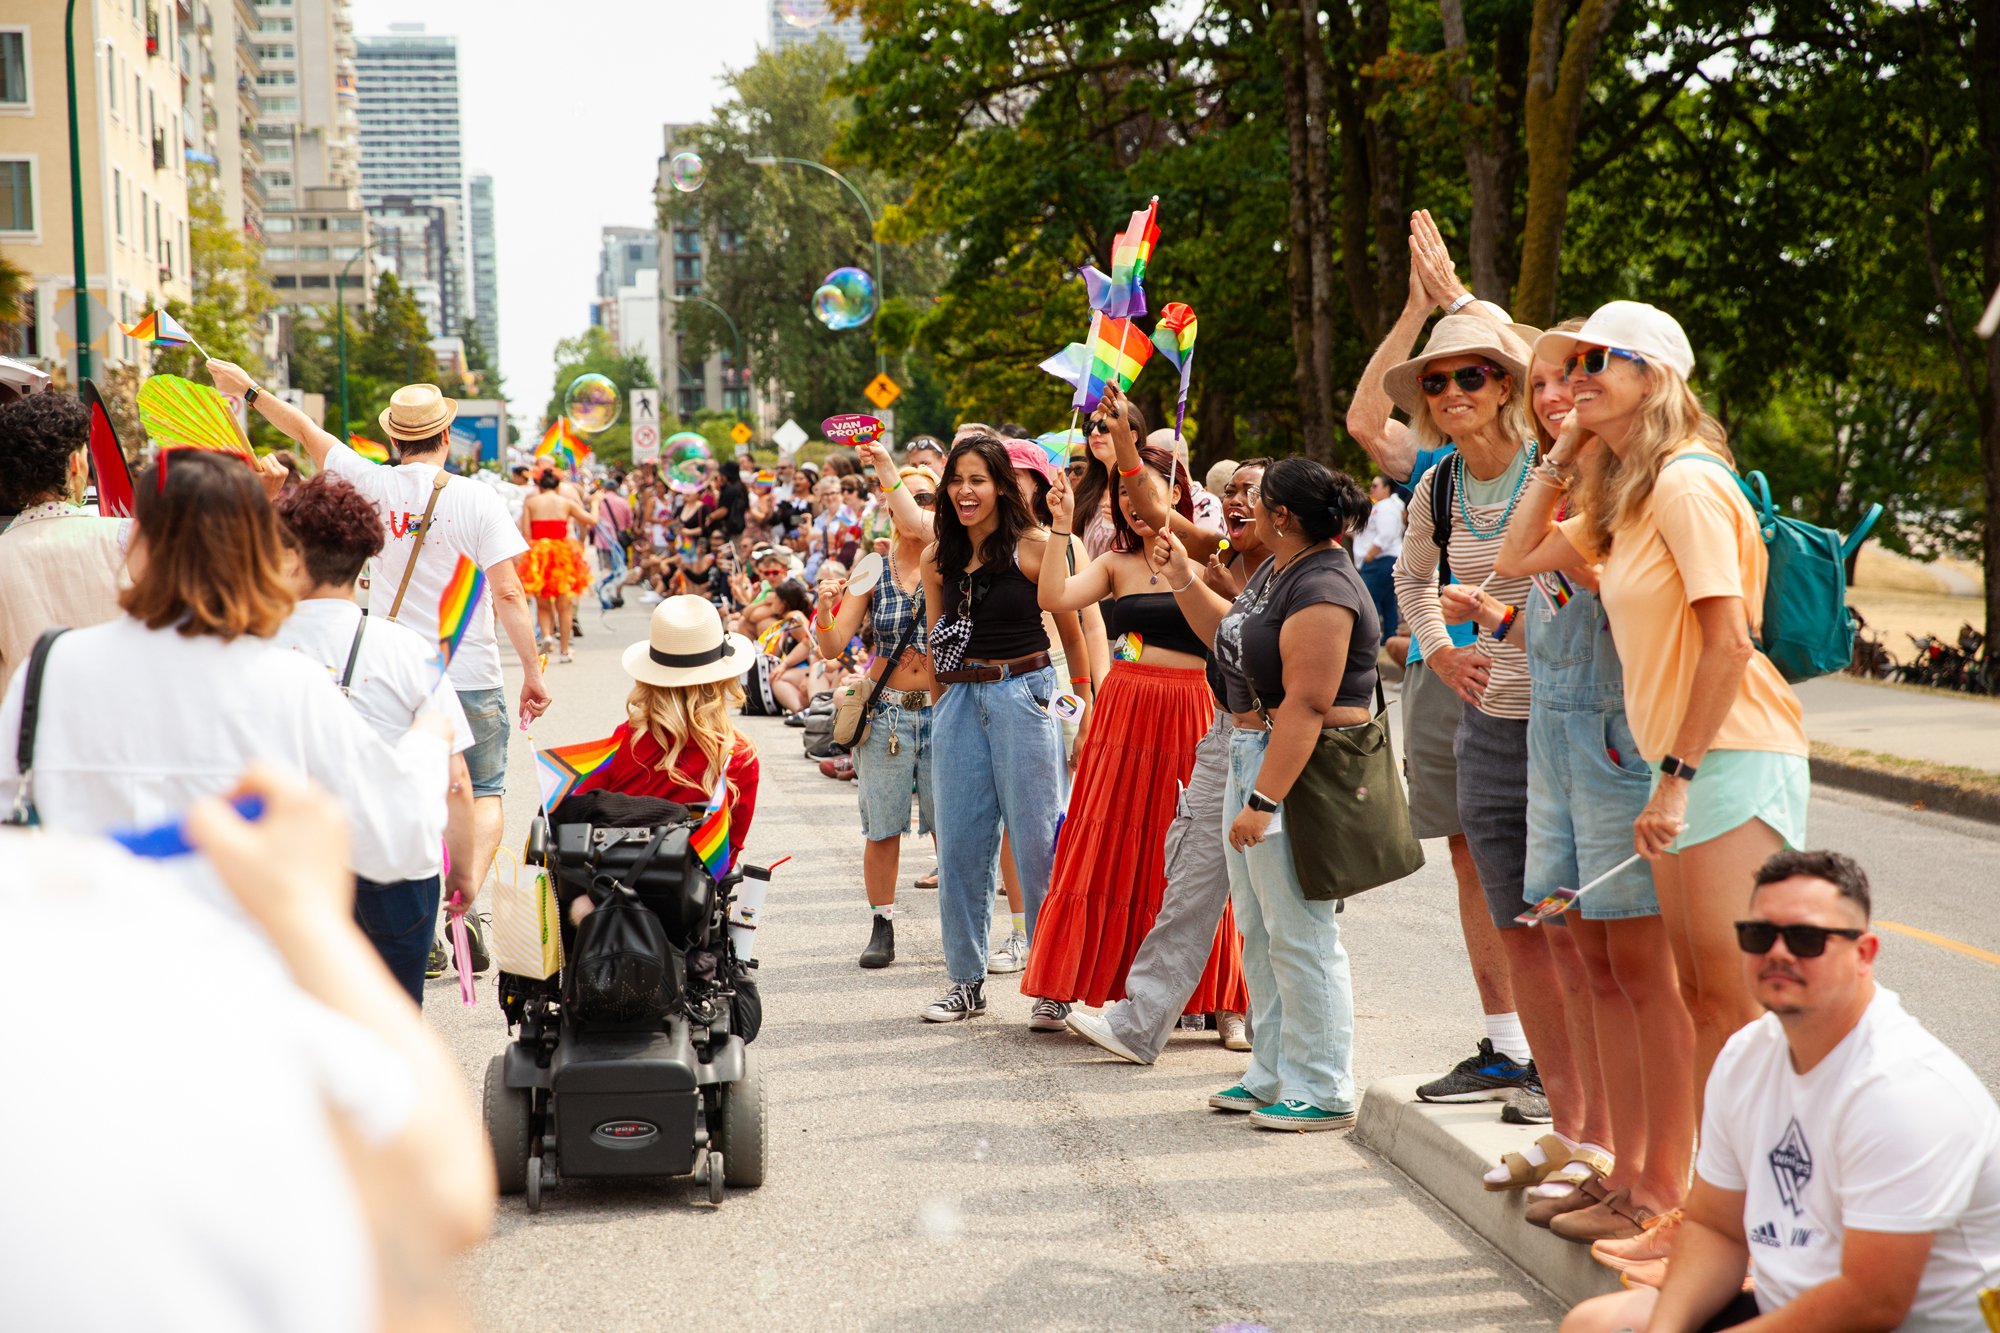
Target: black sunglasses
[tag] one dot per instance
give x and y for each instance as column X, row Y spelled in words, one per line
column 1800, row 941
column 1469, row 378
column 1596, row 359
column 1097, row 426
column 925, row 499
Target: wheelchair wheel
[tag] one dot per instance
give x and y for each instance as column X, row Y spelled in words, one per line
column 534, row 1184
column 743, row 1126
column 507, row 1127
column 717, row 1176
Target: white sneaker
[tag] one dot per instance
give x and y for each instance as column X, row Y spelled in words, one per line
column 1011, row 956
column 1096, row 1028
column 1234, row 1033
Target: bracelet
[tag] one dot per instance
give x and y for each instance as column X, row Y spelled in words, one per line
column 1132, row 471
column 1551, row 475
column 1506, row 623
column 897, row 487
column 1460, row 304
column 1055, row 531
column 1080, row 680
column 1185, row 586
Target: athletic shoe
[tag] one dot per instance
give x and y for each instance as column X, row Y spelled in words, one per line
column 1234, row 1032
column 841, row 767
column 881, row 950
column 797, row 719
column 435, row 965
column 1010, row 957
column 1487, row 1076
column 1234, row 1098
column 1527, row 1106
column 1047, row 1016
column 1300, row 1117
column 1096, row 1028
column 476, row 926
column 965, row 999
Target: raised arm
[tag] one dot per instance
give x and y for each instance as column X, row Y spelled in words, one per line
column 1059, row 590
column 834, row 628
column 1534, row 544
column 1146, row 487
column 1201, row 604
column 1370, row 416
column 910, row 516
column 235, row 382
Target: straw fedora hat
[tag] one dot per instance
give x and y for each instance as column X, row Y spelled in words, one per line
column 688, row 646
column 417, row 412
column 1457, row 335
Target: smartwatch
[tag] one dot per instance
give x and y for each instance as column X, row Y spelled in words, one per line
column 1676, row 768
column 250, row 395
column 1261, row 803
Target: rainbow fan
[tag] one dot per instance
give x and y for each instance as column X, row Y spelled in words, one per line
column 461, row 597
column 180, row 414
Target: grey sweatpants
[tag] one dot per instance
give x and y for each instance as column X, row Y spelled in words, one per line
column 1171, row 958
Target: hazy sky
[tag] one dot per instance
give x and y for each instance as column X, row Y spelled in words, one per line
column 562, row 106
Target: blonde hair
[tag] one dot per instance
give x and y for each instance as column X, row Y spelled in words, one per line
column 1514, row 417
column 675, row 715
column 1669, row 416
column 1570, row 325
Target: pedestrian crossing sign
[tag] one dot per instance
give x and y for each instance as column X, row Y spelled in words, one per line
column 740, row 433
column 883, row 391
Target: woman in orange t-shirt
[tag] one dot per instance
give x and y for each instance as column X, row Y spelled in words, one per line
column 1683, row 574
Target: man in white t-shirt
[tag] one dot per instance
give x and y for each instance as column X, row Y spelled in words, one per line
column 1377, row 547
column 467, row 519
column 1848, row 1157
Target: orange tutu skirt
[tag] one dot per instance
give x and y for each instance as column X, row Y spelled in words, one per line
column 554, row 568
column 1110, row 869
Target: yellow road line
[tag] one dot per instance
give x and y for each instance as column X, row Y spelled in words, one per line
column 1943, row 942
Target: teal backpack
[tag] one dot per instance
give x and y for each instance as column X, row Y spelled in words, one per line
column 1808, row 630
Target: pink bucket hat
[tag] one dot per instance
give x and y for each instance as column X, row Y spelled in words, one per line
column 1028, row 455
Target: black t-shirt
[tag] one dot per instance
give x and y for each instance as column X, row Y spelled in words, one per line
column 731, row 505
column 1246, row 642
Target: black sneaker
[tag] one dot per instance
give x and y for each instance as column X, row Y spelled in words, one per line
column 476, row 924
column 797, row 719
column 1528, row 1104
column 881, row 950
column 965, row 999
column 436, row 963
column 1485, row 1077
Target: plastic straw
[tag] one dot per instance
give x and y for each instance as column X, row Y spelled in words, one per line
column 461, row 952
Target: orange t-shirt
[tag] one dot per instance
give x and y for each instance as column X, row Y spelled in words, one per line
column 1697, row 537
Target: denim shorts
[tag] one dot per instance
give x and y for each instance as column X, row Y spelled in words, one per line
column 1733, row 787
column 1587, row 783
column 486, row 713
column 884, row 781
column 1492, row 754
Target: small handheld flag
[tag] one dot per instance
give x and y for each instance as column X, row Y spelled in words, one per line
column 161, row 329
column 369, row 449
column 560, row 769
column 711, row 839
column 1117, row 351
column 461, row 596
column 1174, row 337
column 1122, row 295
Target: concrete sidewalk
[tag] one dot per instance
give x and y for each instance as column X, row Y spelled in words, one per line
column 1906, row 721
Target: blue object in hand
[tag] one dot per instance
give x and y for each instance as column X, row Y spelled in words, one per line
column 169, row 840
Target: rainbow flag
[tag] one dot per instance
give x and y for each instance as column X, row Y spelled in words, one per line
column 1122, row 295
column 1559, row 589
column 461, row 597
column 161, row 330
column 368, row 449
column 711, row 840
column 1118, row 351
column 1174, row 337
column 563, row 445
column 561, row 768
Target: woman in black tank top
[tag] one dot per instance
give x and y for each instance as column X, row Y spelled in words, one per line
column 999, row 748
column 1110, row 872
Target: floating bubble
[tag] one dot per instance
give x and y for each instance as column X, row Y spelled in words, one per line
column 940, row 1222
column 684, row 460
column 591, row 403
column 981, row 1151
column 687, row 171
column 846, row 299
column 803, row 13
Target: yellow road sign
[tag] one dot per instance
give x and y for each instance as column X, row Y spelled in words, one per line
column 741, row 433
column 883, row 391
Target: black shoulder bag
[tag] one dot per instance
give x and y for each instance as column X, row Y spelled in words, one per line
column 625, row 969
column 24, row 814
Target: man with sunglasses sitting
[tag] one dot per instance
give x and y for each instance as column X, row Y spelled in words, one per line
column 1846, row 1153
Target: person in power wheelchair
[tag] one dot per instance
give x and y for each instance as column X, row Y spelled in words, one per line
column 636, row 1062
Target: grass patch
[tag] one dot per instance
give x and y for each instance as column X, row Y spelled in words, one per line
column 1948, row 775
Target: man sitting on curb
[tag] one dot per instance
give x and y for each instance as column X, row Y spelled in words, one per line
column 1846, row 1154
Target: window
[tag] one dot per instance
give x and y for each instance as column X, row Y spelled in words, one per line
column 118, row 201
column 145, row 223
column 277, row 254
column 312, row 252
column 277, row 180
column 315, row 280
column 277, row 152
column 277, row 224
column 14, row 91
column 17, row 195
column 285, row 282
column 347, row 224
column 277, row 105
column 274, row 25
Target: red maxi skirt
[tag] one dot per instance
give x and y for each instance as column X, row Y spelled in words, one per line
column 1110, row 868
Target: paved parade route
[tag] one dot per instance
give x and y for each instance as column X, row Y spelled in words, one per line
column 925, row 1177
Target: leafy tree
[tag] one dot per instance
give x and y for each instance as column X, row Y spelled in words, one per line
column 388, row 346
column 16, row 290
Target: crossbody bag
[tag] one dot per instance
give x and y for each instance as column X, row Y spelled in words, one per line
column 850, row 715
column 24, row 814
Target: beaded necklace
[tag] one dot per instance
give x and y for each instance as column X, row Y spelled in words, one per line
column 1465, row 512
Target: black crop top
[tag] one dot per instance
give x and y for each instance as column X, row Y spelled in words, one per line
column 1006, row 614
column 1156, row 618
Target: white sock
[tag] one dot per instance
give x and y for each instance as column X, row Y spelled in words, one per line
column 1504, row 1031
column 887, row 911
column 1561, row 1181
column 1535, row 1157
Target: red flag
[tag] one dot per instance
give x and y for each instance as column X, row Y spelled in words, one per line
column 107, row 459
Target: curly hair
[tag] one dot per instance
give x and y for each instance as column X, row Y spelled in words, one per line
column 213, row 553
column 335, row 527
column 38, row 436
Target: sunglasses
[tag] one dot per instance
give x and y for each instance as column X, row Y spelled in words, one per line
column 925, row 499
column 1596, row 359
column 1469, row 378
column 1097, row 426
column 1800, row 941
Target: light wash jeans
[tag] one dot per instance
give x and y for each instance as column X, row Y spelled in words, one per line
column 1301, row 1001
column 997, row 757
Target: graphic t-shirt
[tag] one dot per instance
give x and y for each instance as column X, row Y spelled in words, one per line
column 1246, row 642
column 469, row 520
column 1890, row 1132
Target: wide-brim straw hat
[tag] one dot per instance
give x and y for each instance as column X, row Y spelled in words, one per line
column 417, row 412
column 1457, row 335
column 687, row 645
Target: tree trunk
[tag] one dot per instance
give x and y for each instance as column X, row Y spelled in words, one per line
column 1357, row 174
column 1985, row 84
column 1314, row 422
column 1558, row 77
column 1491, row 207
column 1319, row 199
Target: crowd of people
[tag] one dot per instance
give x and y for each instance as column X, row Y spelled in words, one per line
column 1120, row 699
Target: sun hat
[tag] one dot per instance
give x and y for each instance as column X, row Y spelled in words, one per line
column 1030, row 457
column 417, row 412
column 1629, row 326
column 687, row 645
column 1165, row 438
column 1219, row 475
column 1456, row 335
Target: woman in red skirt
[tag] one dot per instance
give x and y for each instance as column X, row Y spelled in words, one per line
column 1110, row 868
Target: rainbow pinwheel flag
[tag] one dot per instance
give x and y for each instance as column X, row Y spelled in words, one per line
column 1174, row 337
column 369, row 449
column 561, row 768
column 461, row 598
column 711, row 840
column 1122, row 295
column 161, row 330
column 1118, row 351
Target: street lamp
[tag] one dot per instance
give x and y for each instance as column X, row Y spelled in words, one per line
column 340, row 330
column 765, row 160
column 76, row 204
column 742, row 366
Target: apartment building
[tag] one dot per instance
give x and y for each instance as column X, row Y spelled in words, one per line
column 309, row 149
column 485, row 264
column 412, row 165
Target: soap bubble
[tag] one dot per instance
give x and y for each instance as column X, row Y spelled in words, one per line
column 846, row 299
column 591, row 403
column 940, row 1222
column 687, row 171
column 685, row 461
column 802, row 13
column 981, row 1150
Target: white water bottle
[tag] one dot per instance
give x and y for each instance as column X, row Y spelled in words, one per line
column 745, row 908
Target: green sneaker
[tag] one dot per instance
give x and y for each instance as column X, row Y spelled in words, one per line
column 1299, row 1117
column 1234, row 1098
column 434, row 965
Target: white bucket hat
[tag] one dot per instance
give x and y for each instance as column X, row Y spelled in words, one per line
column 1457, row 335
column 688, row 646
column 1629, row 326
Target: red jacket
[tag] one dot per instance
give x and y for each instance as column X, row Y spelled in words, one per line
column 635, row 771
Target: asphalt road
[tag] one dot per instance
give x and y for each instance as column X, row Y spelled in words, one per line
column 980, row 1174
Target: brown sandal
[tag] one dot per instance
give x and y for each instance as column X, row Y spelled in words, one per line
column 1541, row 1211
column 1615, row 1218
column 1521, row 1173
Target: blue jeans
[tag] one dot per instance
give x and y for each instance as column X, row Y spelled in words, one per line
column 486, row 761
column 614, row 557
column 1379, row 577
column 399, row 920
column 998, row 755
column 1301, row 998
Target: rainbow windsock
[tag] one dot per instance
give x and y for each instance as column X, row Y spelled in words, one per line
column 461, row 597
column 561, row 768
column 1123, row 294
column 711, row 839
column 368, row 449
column 1117, row 352
column 161, row 330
